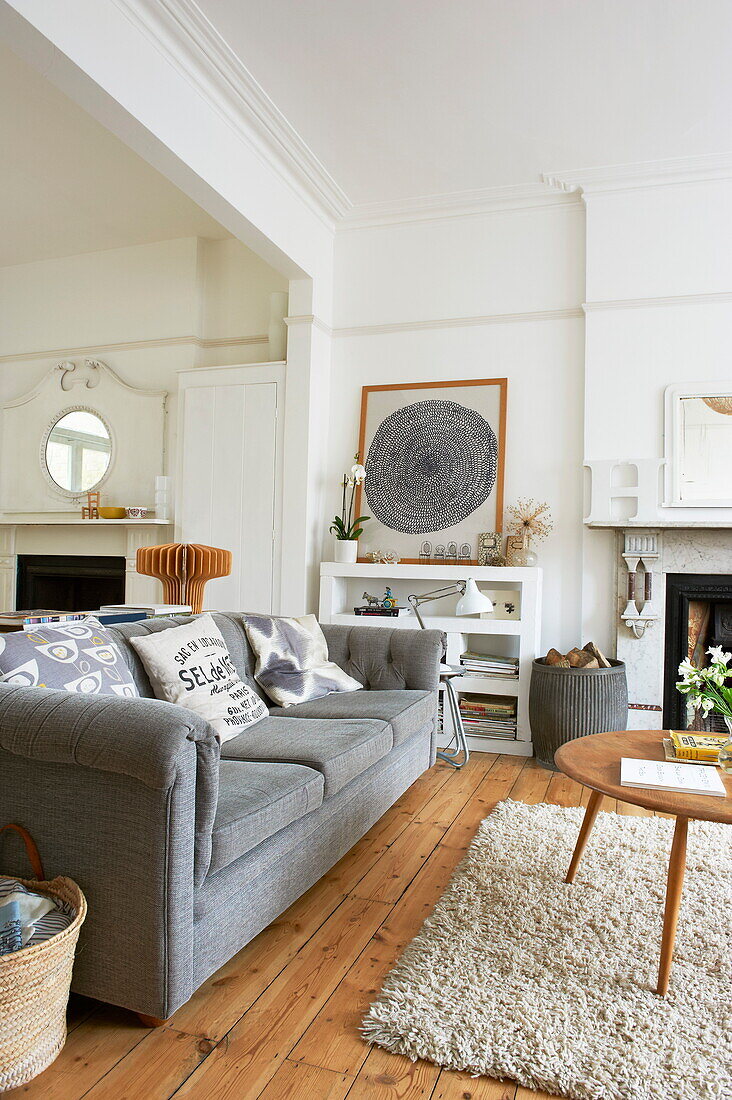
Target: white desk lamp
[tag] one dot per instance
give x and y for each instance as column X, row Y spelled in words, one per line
column 472, row 601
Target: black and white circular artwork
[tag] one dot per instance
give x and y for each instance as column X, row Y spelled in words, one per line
column 429, row 466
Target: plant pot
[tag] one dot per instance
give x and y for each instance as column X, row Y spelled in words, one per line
column 346, row 551
column 566, row 703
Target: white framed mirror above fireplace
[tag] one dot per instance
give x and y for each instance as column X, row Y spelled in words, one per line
column 698, row 445
column 81, row 428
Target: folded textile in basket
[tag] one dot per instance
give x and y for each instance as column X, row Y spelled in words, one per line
column 27, row 918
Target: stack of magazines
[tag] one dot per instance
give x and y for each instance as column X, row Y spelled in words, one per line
column 488, row 664
column 488, row 715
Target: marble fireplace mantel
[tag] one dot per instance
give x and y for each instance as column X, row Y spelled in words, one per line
column 67, row 533
column 676, row 548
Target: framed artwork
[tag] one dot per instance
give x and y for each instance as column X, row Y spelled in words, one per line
column 434, row 454
column 489, row 547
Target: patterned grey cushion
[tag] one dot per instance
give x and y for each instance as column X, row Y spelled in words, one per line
column 77, row 656
column 292, row 660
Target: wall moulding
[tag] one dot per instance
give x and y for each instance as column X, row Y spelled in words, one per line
column 461, row 322
column 135, row 345
column 458, row 204
column 642, row 175
column 700, row 299
column 190, row 43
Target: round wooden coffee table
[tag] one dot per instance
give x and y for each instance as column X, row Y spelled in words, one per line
column 594, row 761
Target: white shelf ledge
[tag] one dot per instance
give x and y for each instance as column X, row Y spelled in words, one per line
column 450, row 624
column 69, row 519
column 484, row 685
column 433, row 571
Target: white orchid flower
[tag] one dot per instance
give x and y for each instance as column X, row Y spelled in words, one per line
column 358, row 473
column 718, row 655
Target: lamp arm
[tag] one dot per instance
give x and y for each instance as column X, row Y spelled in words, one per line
column 437, row 594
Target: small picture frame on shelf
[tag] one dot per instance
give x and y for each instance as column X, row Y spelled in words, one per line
column 489, row 548
column 514, row 549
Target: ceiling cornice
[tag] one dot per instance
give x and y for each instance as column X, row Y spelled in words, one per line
column 190, row 42
column 456, row 204
column 642, row 175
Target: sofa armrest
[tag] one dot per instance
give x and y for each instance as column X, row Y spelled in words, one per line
column 120, row 795
column 142, row 738
column 148, row 740
column 381, row 658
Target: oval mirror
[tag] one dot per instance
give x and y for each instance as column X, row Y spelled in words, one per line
column 78, row 451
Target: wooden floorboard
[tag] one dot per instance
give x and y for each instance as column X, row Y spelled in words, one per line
column 280, row 1021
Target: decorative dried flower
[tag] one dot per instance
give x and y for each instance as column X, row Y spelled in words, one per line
column 531, row 518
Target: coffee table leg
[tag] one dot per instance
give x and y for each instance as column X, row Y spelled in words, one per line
column 676, row 868
column 591, row 812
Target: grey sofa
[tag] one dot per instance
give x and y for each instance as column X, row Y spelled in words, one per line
column 186, row 850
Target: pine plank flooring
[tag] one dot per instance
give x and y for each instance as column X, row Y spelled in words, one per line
column 280, row 1020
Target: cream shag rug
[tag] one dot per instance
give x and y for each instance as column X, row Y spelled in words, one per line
column 516, row 974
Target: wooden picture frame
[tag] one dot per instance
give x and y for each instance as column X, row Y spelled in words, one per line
column 461, row 391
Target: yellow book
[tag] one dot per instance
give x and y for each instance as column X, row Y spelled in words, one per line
column 697, row 746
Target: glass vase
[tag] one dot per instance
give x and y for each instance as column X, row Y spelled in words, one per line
column 725, row 753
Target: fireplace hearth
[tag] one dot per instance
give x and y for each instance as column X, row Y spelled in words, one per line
column 698, row 615
column 64, row 583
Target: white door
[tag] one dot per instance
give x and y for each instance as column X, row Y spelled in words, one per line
column 228, row 493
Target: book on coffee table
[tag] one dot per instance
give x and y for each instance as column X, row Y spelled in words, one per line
column 656, row 775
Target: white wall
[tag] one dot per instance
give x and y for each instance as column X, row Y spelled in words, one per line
column 477, row 274
column 141, row 79
column 148, row 311
column 659, row 311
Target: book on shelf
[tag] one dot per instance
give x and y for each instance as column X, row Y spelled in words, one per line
column 657, row 775
column 689, row 745
column 150, row 610
column 382, row 612
column 488, row 715
column 488, row 704
column 489, row 664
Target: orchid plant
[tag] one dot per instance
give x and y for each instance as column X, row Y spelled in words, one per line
column 345, row 527
column 709, row 689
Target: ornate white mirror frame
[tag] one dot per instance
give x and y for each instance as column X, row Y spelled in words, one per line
column 135, row 419
column 679, row 442
column 59, row 490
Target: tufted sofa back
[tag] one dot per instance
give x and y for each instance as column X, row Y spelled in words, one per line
column 380, row 658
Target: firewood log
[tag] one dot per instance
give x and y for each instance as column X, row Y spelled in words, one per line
column 580, row 658
column 597, row 653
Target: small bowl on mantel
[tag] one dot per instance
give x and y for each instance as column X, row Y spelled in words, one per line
column 112, row 513
column 136, row 513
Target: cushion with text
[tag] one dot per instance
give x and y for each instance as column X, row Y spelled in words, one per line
column 191, row 666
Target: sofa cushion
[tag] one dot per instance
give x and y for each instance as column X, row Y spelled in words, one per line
column 256, row 800
column 292, row 659
column 340, row 749
column 405, row 711
column 191, row 666
column 80, row 657
column 232, row 630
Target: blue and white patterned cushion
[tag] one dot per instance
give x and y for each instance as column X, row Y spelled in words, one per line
column 292, row 660
column 77, row 656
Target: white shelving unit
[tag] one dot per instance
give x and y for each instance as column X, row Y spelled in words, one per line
column 341, row 589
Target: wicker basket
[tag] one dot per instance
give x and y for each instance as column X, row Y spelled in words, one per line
column 34, row 985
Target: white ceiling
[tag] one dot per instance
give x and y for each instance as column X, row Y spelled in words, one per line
column 70, row 186
column 403, row 98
